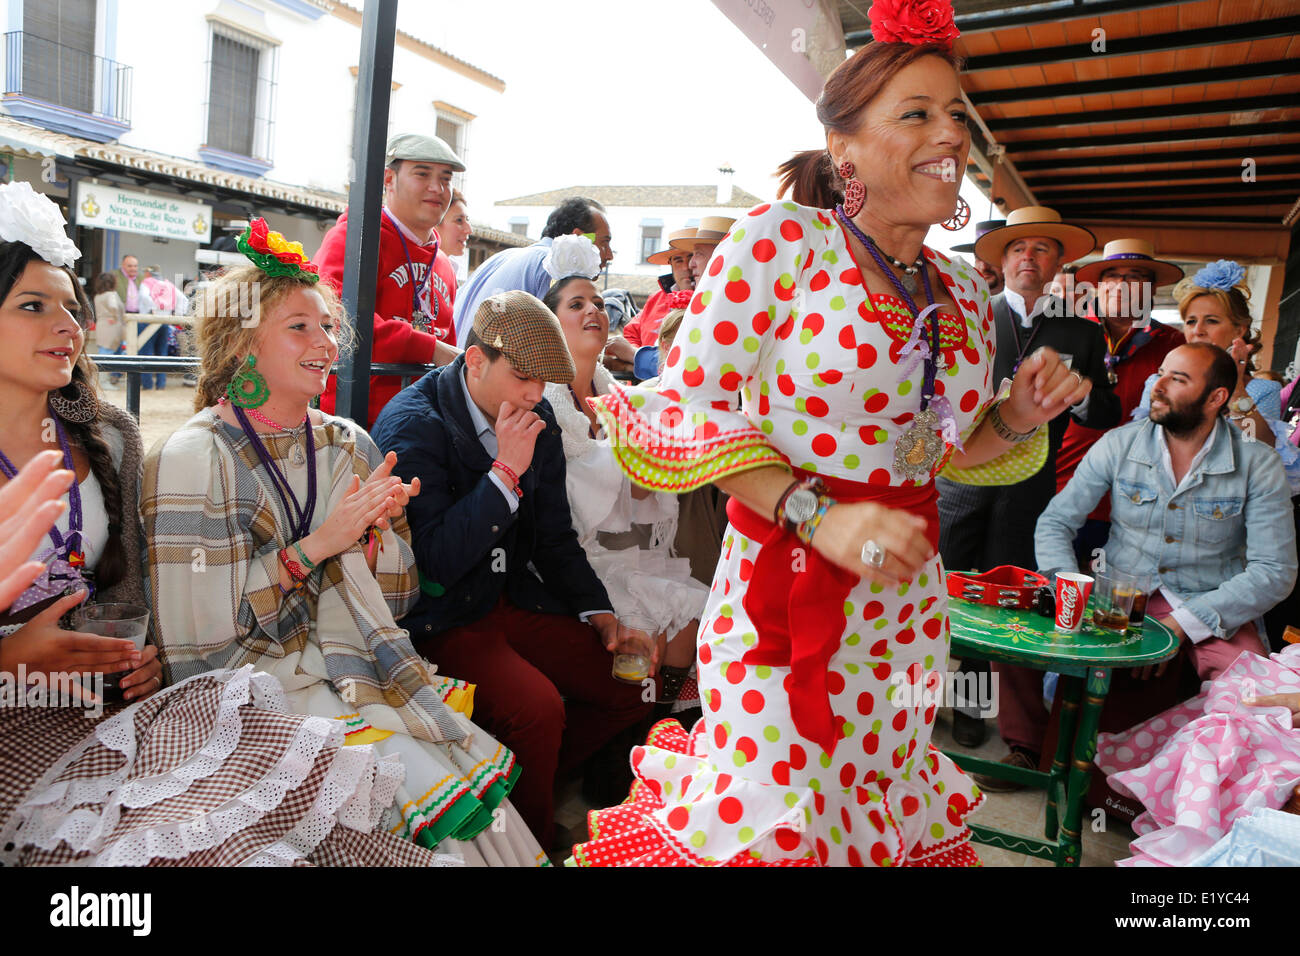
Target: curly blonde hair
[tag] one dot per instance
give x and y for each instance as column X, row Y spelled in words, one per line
column 227, row 321
column 1235, row 303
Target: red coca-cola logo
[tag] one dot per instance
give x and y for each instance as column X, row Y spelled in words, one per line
column 1069, row 599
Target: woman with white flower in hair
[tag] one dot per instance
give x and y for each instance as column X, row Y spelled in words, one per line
column 626, row 530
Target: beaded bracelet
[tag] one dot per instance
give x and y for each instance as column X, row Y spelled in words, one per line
column 807, row 529
column 509, row 473
column 308, row 562
column 294, row 569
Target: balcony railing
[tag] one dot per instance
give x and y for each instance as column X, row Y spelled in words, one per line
column 63, row 76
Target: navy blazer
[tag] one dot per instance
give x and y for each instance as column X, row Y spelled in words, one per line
column 469, row 548
column 1068, row 335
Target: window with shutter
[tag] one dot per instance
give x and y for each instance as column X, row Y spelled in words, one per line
column 58, row 52
column 232, row 100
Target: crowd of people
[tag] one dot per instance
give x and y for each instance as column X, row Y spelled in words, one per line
column 395, row 641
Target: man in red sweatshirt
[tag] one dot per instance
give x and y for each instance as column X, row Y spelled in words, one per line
column 416, row 285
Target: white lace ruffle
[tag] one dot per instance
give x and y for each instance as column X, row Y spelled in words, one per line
column 49, row 809
column 357, row 789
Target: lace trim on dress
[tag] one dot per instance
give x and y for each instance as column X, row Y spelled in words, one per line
column 355, row 793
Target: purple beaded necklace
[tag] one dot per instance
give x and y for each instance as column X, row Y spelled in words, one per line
column 75, row 556
column 299, row 516
column 917, row 450
column 932, row 359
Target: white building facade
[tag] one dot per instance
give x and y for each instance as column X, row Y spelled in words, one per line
column 640, row 219
column 243, row 106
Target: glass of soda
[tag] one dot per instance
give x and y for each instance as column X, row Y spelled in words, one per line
column 128, row 621
column 1141, row 591
column 1112, row 600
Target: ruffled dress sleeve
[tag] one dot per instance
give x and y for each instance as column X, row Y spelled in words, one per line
column 691, row 429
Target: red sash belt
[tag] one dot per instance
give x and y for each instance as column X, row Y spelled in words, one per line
column 796, row 599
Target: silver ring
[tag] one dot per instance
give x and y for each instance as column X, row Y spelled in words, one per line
column 158, row 679
column 1077, row 374
column 873, row 554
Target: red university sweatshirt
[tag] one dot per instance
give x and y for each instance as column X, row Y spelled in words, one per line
column 395, row 338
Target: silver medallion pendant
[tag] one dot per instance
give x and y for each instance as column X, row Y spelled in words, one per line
column 297, row 456
column 1111, row 376
column 420, row 320
column 919, row 448
column 910, row 283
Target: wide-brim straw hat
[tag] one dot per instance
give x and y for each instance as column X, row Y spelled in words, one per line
column 1035, row 221
column 1129, row 252
column 988, row 225
column 661, row 257
column 712, row 230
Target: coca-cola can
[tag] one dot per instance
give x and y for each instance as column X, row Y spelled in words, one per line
column 1072, row 592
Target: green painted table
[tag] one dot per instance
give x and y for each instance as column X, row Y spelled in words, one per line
column 1084, row 661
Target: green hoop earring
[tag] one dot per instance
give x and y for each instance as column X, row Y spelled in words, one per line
column 247, row 388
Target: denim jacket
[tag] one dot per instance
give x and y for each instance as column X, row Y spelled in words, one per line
column 1224, row 543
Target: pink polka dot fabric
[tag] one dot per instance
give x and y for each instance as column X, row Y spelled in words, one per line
column 1201, row 765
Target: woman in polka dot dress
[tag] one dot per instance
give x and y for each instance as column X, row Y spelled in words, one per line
column 814, row 748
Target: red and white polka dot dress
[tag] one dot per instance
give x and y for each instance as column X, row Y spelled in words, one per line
column 782, row 317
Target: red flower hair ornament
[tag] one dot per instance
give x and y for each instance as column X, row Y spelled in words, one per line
column 679, row 299
column 917, row 22
column 274, row 254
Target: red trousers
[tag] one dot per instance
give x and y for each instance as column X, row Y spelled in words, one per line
column 1022, row 718
column 544, row 689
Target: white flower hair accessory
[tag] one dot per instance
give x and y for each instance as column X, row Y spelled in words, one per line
column 572, row 256
column 28, row 217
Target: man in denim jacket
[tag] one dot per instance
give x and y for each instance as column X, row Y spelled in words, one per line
column 1197, row 506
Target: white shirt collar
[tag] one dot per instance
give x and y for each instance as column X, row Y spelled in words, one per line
column 482, row 427
column 402, row 228
column 1197, row 458
column 1017, row 303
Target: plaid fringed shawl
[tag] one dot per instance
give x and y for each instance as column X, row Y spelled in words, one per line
column 214, row 525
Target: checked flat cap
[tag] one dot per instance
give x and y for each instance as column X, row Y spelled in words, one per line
column 523, row 329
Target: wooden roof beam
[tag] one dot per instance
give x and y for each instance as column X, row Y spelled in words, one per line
column 1130, row 46
column 1158, row 159
column 1247, row 104
column 1129, row 84
column 1146, row 138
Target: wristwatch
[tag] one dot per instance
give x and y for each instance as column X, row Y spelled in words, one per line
column 800, row 506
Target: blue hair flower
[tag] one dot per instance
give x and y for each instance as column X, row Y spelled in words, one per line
column 1224, row 274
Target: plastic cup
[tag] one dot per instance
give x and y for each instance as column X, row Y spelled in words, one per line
column 634, row 652
column 128, row 621
column 1072, row 592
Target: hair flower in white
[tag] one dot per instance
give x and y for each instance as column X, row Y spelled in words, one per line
column 29, row 217
column 572, row 256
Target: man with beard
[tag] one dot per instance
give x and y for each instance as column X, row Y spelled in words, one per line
column 989, row 272
column 1197, row 508
column 984, row 527
column 1126, row 278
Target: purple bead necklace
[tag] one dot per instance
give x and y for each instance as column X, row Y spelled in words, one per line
column 932, row 359
column 299, row 516
column 73, row 555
